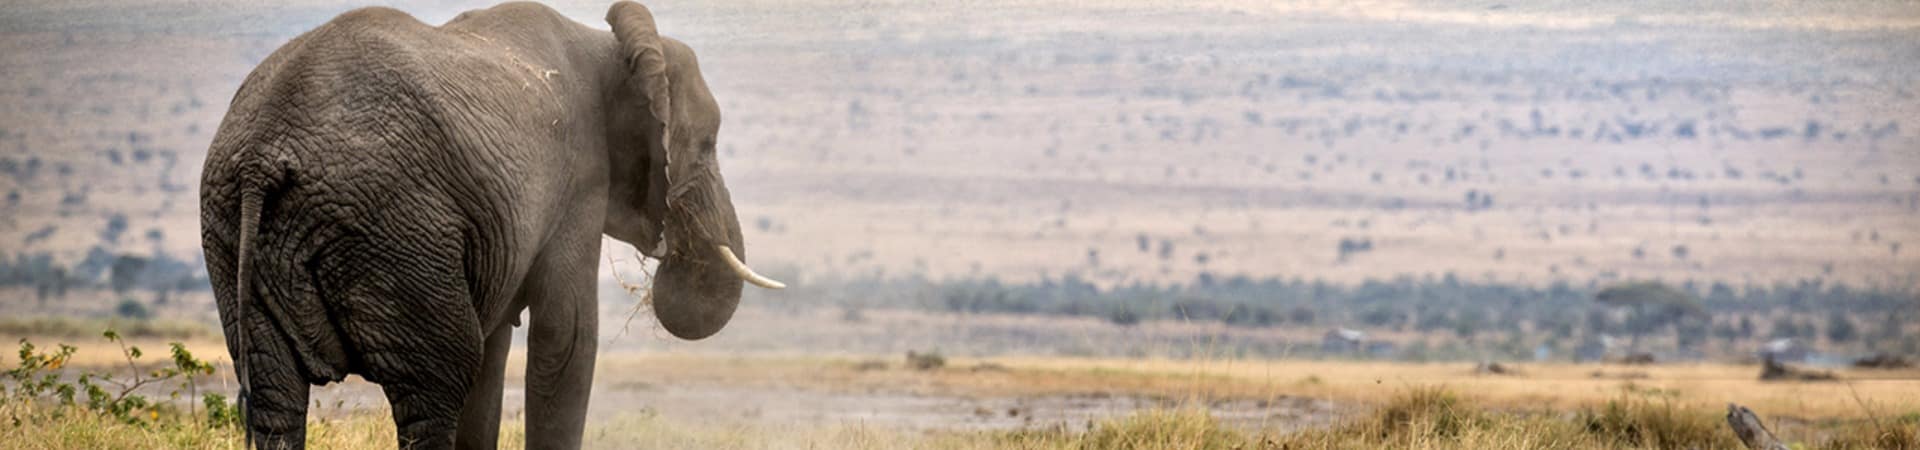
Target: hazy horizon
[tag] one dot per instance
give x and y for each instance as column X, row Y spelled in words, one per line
column 1717, row 142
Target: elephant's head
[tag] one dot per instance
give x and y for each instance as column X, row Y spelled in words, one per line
column 669, row 199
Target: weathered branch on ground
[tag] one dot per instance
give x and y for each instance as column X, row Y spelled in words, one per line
column 1772, row 370
column 1751, row 430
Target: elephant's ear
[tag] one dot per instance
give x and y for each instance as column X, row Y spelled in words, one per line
column 646, row 61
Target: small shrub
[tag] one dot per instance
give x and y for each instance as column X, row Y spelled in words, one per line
column 1181, row 428
column 1897, row 434
column 1416, row 418
column 1432, row 411
column 37, row 374
column 41, row 383
column 132, row 309
column 925, row 361
column 1123, row 316
column 1642, row 423
column 220, row 412
column 1189, row 428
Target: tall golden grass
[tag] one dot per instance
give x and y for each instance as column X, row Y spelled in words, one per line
column 1416, row 418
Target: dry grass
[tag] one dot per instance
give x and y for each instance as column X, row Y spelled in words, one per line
column 1901, row 433
column 72, row 328
column 1394, row 405
column 1555, row 386
column 1540, row 387
column 1431, row 417
column 25, row 426
column 1421, row 417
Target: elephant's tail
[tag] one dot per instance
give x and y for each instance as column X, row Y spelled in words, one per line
column 251, row 199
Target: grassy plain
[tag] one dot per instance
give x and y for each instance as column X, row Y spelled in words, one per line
column 1201, row 403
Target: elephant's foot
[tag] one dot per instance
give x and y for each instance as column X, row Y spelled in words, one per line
column 278, row 441
column 424, row 418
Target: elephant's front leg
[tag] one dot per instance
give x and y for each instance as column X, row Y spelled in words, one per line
column 561, row 344
column 480, row 416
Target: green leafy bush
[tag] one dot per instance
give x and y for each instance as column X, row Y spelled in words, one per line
column 41, row 378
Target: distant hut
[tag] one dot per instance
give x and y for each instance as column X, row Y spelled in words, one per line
column 1343, row 341
column 1785, row 350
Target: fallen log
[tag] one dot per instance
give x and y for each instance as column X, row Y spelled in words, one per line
column 1752, row 432
column 1771, row 370
column 1493, row 368
column 1883, row 361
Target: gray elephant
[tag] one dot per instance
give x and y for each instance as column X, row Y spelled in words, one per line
column 384, row 198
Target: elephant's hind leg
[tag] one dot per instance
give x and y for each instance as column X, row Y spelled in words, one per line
column 419, row 339
column 277, row 398
column 480, row 417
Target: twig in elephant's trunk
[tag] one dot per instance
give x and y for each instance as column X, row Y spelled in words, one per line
column 643, row 291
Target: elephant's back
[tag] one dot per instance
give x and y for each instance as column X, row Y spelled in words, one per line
column 387, row 152
column 375, row 86
column 348, row 124
column 359, row 105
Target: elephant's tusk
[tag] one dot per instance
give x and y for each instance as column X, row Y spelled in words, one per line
column 746, row 273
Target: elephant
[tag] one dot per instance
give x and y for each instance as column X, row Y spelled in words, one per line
column 384, row 198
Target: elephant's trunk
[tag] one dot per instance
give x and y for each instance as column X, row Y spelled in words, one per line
column 695, row 294
column 697, row 287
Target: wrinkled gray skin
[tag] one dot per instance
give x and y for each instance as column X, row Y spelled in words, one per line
column 384, row 197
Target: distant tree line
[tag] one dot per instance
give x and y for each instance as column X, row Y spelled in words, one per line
column 1562, row 313
column 102, row 269
column 1389, row 303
